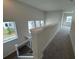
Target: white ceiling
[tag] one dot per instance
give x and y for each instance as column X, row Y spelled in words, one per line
column 50, row 5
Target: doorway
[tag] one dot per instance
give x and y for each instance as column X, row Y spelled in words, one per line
column 67, row 20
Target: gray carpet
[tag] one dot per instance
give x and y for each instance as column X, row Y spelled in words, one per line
column 60, row 47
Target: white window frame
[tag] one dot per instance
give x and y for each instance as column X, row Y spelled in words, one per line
column 35, row 23
column 11, row 38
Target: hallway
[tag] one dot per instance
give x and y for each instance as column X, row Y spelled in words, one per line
column 60, row 47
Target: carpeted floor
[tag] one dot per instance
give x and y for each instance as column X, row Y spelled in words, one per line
column 60, row 47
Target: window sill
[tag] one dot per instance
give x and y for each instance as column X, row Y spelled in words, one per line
column 10, row 39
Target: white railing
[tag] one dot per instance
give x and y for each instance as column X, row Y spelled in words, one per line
column 41, row 37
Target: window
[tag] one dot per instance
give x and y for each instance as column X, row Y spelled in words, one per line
column 42, row 22
column 9, row 31
column 68, row 18
column 38, row 24
column 35, row 24
column 31, row 25
column 68, row 21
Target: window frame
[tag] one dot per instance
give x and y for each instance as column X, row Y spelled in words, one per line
column 13, row 38
column 35, row 24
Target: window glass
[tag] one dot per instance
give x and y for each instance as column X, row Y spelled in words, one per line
column 38, row 23
column 69, row 18
column 42, row 22
column 35, row 24
column 9, row 31
column 31, row 25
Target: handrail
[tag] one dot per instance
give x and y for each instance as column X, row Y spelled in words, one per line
column 41, row 37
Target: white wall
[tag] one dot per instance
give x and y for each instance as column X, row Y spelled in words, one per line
column 18, row 12
column 72, row 33
column 8, row 48
column 53, row 17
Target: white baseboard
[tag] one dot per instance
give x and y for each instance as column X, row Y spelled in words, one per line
column 72, row 43
column 26, row 57
column 41, row 56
